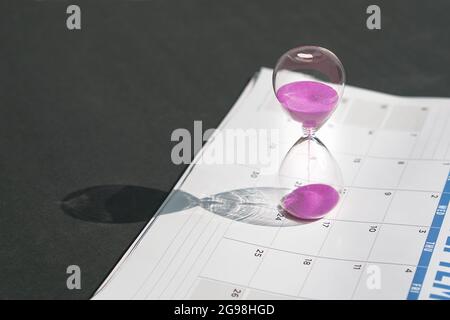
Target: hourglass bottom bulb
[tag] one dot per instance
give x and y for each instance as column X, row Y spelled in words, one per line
column 310, row 202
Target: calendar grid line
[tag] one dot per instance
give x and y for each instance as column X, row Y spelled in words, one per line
column 185, row 258
column 400, row 189
column 351, row 186
column 430, row 243
column 212, row 252
column 314, row 261
column 373, row 244
column 321, row 257
column 398, row 198
column 200, row 254
column 429, row 135
column 262, row 258
column 347, row 105
column 149, row 290
column 448, row 146
column 263, row 103
column 379, row 222
column 390, row 158
column 256, row 269
column 367, row 155
column 413, row 147
column 209, row 256
column 251, row 288
column 442, row 133
column 436, row 135
column 161, row 257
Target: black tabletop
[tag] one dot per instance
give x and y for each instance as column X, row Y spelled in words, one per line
column 87, row 115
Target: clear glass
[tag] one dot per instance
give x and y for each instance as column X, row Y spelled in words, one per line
column 309, row 82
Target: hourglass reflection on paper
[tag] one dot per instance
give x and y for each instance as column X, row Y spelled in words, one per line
column 308, row 82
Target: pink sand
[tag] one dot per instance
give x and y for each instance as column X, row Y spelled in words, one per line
column 308, row 102
column 312, row 201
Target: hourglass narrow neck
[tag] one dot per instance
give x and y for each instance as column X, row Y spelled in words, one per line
column 309, row 131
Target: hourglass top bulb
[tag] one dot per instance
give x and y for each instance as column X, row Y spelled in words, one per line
column 308, row 102
column 308, row 82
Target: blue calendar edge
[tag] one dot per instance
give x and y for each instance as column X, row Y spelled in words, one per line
column 428, row 248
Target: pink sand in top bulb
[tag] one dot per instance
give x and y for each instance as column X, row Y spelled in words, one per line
column 308, row 102
column 312, row 201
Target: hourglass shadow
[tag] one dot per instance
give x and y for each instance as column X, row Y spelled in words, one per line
column 113, row 203
column 125, row 204
column 258, row 206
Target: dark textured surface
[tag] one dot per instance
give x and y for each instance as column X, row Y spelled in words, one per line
column 96, row 107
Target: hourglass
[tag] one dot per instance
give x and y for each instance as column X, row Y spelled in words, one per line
column 308, row 82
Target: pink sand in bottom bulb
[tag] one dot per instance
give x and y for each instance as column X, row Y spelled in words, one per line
column 312, row 201
column 308, row 102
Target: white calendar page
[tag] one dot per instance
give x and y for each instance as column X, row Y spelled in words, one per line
column 389, row 237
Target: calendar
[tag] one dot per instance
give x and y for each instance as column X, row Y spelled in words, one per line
column 389, row 237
